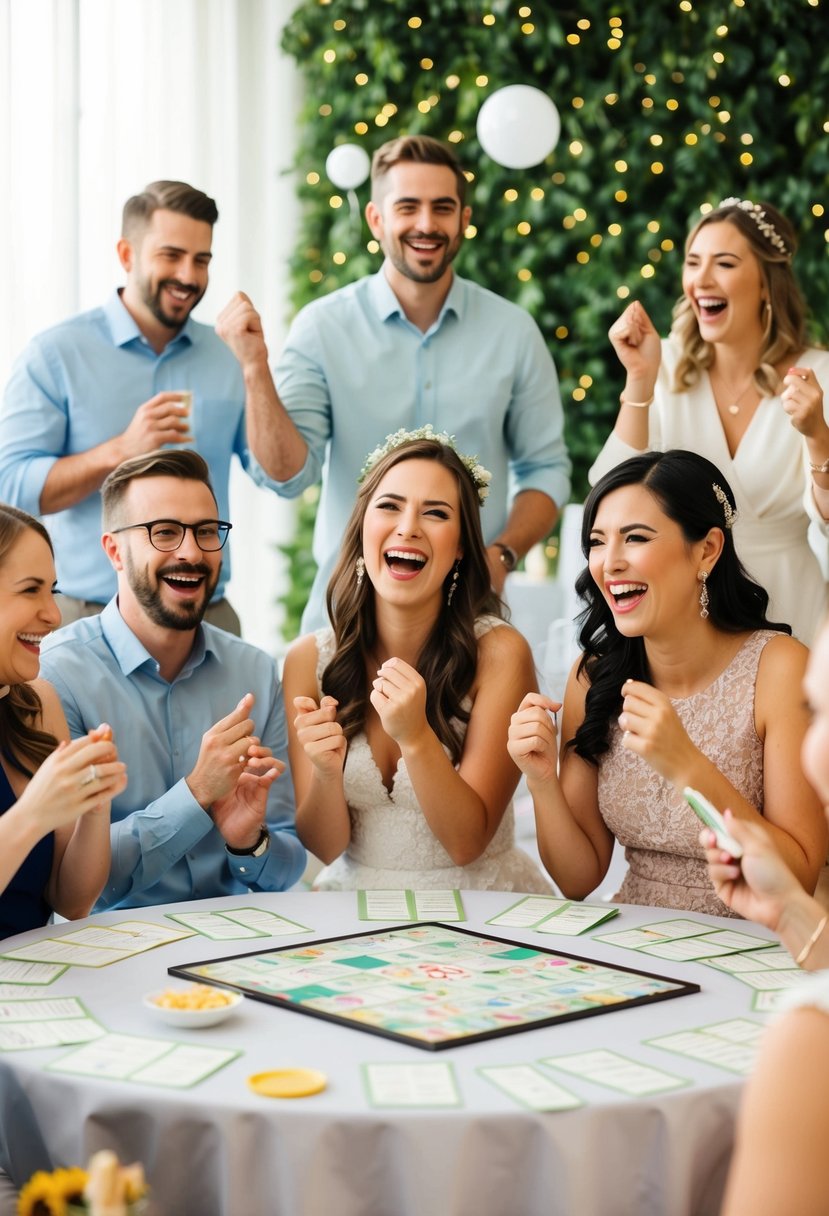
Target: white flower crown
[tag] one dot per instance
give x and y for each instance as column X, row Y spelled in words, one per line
column 756, row 212
column 480, row 476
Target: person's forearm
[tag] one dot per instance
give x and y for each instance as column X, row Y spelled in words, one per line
column 272, row 436
column 532, row 517
column 18, row 836
column 84, row 866
column 71, row 479
column 566, row 850
column 799, row 921
column 323, row 823
column 633, row 421
column 455, row 813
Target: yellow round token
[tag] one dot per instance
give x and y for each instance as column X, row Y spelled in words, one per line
column 288, row 1082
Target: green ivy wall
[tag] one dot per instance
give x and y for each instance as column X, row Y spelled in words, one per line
column 665, row 107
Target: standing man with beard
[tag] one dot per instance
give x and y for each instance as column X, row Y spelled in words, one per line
column 200, row 711
column 117, row 382
column 411, row 345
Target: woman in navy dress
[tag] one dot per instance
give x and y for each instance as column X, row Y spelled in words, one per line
column 54, row 795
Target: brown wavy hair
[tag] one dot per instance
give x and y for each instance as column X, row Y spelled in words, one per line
column 22, row 741
column 784, row 335
column 449, row 658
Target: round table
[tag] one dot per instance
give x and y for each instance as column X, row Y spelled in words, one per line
column 219, row 1149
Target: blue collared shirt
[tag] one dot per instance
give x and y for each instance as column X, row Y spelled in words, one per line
column 77, row 385
column 354, row 368
column 164, row 846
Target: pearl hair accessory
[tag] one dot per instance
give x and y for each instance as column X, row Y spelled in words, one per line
column 728, row 511
column 480, row 476
column 756, row 212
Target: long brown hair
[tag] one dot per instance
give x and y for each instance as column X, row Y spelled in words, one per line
column 449, row 658
column 21, row 740
column 784, row 335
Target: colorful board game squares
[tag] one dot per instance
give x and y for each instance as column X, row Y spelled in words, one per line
column 364, row 961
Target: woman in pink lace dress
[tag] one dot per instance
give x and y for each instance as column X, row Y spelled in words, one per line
column 397, row 750
column 682, row 682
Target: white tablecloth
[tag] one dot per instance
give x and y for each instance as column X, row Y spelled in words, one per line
column 221, row 1150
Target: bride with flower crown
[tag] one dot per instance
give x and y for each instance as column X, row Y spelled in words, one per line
column 400, row 709
column 736, row 382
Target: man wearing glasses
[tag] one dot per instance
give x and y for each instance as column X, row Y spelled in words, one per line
column 209, row 808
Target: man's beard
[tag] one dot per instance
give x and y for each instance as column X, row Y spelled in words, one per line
column 409, row 270
column 185, row 616
column 152, row 300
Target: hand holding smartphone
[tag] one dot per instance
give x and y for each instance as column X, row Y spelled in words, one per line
column 712, row 819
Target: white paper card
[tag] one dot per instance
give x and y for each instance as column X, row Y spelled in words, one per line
column 528, row 1086
column 411, row 1085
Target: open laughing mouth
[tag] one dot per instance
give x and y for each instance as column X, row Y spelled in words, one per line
column 626, row 596
column 404, row 563
column 426, row 246
column 183, row 582
column 31, row 641
column 710, row 306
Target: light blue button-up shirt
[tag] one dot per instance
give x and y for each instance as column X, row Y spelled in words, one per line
column 164, row 846
column 77, row 385
column 354, row 368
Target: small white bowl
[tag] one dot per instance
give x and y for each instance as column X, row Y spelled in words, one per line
column 192, row 1017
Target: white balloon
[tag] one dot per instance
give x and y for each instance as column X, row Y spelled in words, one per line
column 518, row 126
column 347, row 166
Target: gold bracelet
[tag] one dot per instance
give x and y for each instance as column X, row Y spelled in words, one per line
column 637, row 405
column 807, row 949
column 819, row 468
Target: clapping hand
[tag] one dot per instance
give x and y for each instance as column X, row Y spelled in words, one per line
column 802, row 400
column 240, row 327
column 320, row 734
column 653, row 730
column 637, row 344
column 399, row 696
column 532, row 738
column 78, row 777
column 240, row 814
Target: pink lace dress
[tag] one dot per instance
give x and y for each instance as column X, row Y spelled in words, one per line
column 392, row 845
column 659, row 831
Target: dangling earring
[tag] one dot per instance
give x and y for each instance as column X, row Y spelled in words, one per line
column 767, row 318
column 360, row 567
column 453, row 586
column 703, row 594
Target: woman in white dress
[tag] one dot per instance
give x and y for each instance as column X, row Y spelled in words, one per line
column 397, row 747
column 780, row 1163
column 736, row 382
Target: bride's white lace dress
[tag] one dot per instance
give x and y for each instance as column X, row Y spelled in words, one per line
column 392, row 845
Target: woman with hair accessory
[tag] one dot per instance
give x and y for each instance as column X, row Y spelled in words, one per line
column 397, row 748
column 54, row 795
column 780, row 1162
column 737, row 382
column 683, row 681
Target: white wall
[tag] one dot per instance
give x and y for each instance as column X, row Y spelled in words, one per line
column 98, row 97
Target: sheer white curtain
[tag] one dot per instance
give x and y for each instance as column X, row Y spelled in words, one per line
column 98, row 97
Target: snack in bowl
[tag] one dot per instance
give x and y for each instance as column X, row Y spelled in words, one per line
column 197, row 1005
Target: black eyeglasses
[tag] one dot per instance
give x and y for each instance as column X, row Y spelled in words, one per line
column 166, row 535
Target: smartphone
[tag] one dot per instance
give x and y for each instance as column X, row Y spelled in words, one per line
column 712, row 819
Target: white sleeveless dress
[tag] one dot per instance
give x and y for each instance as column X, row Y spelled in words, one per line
column 392, row 845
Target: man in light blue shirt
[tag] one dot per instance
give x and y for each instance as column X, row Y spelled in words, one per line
column 411, row 345
column 198, row 713
column 114, row 383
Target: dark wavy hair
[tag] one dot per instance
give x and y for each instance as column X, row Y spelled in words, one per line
column 682, row 484
column 22, row 742
column 449, row 657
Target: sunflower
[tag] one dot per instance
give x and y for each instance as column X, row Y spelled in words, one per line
column 48, row 1194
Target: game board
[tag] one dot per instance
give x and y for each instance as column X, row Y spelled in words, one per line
column 433, row 986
